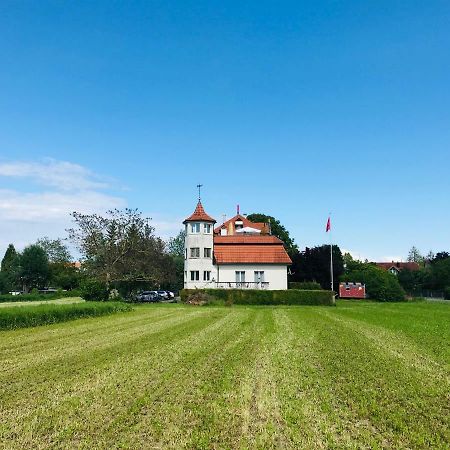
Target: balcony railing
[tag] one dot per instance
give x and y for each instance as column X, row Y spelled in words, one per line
column 242, row 285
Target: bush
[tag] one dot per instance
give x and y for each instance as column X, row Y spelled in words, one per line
column 261, row 297
column 380, row 284
column 305, row 285
column 94, row 290
column 31, row 316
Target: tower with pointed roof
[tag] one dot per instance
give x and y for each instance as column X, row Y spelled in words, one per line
column 199, row 270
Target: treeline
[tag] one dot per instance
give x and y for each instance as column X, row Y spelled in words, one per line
column 313, row 265
column 433, row 275
column 40, row 265
column 119, row 254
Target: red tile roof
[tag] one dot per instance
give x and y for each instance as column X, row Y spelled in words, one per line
column 199, row 214
column 247, row 239
column 248, row 254
column 398, row 265
column 261, row 226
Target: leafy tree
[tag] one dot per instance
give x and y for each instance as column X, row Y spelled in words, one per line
column 8, row 259
column 56, row 250
column 412, row 281
column 380, row 284
column 277, row 229
column 62, row 273
column 440, row 274
column 441, row 255
column 4, row 283
column 313, row 264
column 34, row 270
column 175, row 245
column 415, row 256
column 121, row 248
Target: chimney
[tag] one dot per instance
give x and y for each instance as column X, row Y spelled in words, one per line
column 237, row 209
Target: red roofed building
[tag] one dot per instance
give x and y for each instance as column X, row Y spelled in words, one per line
column 396, row 267
column 236, row 254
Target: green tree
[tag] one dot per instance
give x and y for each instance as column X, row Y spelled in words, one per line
column 412, row 281
column 121, row 248
column 8, row 259
column 277, row 229
column 440, row 274
column 415, row 256
column 313, row 264
column 10, row 270
column 56, row 250
column 441, row 255
column 380, row 284
column 34, row 271
column 175, row 245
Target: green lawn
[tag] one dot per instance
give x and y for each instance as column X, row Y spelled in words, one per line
column 361, row 375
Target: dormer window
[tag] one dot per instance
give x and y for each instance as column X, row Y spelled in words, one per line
column 195, row 228
column 238, row 224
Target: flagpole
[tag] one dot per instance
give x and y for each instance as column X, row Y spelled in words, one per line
column 331, row 259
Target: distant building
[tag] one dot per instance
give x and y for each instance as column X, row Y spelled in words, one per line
column 352, row 290
column 238, row 254
column 396, row 267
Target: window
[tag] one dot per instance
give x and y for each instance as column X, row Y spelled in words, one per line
column 240, row 276
column 195, row 227
column 259, row 276
column 206, row 275
column 206, row 252
column 195, row 275
column 185, row 254
column 207, row 228
column 195, row 252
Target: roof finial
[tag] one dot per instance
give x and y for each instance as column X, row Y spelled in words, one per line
column 199, row 186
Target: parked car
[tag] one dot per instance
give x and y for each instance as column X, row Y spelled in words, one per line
column 166, row 295
column 148, row 297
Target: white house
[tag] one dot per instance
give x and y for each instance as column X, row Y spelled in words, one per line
column 237, row 254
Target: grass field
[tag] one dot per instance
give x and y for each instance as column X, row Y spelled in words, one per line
column 362, row 375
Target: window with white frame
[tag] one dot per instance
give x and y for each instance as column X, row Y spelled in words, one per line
column 259, row 276
column 207, row 252
column 195, row 275
column 240, row 276
column 207, row 228
column 195, row 228
column 206, row 275
column 195, row 252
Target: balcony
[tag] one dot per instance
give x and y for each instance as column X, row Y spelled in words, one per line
column 242, row 285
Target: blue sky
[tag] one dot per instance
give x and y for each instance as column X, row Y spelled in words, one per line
column 293, row 109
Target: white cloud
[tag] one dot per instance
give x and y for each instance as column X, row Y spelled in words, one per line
column 46, row 206
column 395, row 258
column 26, row 216
column 62, row 175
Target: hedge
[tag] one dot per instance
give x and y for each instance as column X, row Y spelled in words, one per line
column 31, row 316
column 305, row 285
column 262, row 297
column 37, row 297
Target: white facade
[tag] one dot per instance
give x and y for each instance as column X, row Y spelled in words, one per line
column 199, row 270
column 209, row 267
column 256, row 276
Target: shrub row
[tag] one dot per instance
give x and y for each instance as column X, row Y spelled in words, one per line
column 261, row 297
column 31, row 316
column 305, row 285
column 34, row 297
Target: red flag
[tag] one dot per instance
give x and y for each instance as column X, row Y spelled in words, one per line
column 328, row 225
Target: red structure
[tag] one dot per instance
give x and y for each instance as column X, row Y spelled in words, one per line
column 352, row 290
